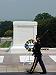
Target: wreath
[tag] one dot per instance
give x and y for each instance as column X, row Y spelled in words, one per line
column 29, row 44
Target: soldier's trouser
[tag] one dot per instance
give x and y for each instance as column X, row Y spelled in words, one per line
column 36, row 60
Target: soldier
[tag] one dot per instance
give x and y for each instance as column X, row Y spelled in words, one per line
column 38, row 57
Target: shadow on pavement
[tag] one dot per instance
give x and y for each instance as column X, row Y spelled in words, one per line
column 24, row 73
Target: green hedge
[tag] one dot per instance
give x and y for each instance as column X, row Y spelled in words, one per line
column 6, row 44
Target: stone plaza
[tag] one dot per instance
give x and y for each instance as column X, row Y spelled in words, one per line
column 11, row 62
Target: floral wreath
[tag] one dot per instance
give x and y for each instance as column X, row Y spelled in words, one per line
column 29, row 44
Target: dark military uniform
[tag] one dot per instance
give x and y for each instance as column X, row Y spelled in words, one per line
column 38, row 57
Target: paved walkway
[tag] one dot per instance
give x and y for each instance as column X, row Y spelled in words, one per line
column 11, row 63
column 24, row 73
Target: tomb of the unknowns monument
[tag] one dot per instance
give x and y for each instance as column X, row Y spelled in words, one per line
column 22, row 32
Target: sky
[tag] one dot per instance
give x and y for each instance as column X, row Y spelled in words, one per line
column 25, row 9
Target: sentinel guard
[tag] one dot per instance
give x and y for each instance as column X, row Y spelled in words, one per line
column 38, row 57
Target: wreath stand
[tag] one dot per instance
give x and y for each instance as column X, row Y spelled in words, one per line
column 29, row 45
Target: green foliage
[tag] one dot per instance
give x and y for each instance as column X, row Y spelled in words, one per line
column 6, row 44
column 42, row 16
column 4, row 26
column 8, row 33
column 46, row 22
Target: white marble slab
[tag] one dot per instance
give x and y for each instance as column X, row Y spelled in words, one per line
column 53, row 57
column 22, row 32
column 26, row 58
column 1, row 59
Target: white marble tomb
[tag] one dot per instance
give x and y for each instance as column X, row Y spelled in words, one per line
column 22, row 31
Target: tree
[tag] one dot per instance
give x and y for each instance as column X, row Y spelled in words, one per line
column 8, row 33
column 4, row 26
column 42, row 16
column 52, row 32
column 46, row 22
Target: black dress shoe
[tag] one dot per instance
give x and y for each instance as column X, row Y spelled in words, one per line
column 28, row 71
column 43, row 72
